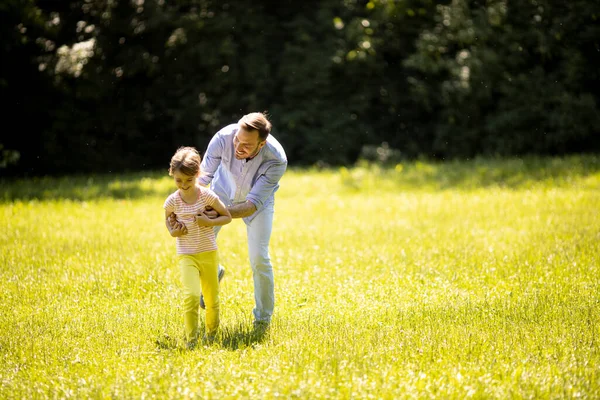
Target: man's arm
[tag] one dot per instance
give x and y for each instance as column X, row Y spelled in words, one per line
column 211, row 160
column 265, row 184
column 237, row 211
column 242, row 210
column 262, row 189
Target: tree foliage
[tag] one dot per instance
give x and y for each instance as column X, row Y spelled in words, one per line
column 105, row 85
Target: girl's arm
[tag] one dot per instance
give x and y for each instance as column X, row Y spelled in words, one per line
column 223, row 219
column 174, row 227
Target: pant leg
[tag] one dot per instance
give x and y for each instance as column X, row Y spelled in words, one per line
column 259, row 235
column 190, row 280
column 209, row 264
column 217, row 229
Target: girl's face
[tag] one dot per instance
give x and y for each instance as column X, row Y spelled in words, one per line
column 184, row 182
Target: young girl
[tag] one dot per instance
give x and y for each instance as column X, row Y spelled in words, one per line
column 196, row 244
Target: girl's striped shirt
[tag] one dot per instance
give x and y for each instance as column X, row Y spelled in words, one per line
column 198, row 238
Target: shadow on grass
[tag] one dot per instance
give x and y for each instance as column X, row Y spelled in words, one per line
column 87, row 187
column 166, row 342
column 232, row 338
column 511, row 173
column 242, row 336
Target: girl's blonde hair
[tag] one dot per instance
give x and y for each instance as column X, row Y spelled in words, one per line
column 186, row 160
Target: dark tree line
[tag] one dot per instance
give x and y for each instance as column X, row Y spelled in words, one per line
column 115, row 85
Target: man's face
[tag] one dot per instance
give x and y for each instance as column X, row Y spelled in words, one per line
column 247, row 144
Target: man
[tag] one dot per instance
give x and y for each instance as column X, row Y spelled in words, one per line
column 244, row 163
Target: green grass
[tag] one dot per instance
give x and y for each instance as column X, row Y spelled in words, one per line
column 466, row 279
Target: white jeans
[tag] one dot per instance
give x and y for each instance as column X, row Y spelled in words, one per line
column 259, row 235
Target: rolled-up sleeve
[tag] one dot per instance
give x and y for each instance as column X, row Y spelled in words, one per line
column 266, row 184
column 211, row 160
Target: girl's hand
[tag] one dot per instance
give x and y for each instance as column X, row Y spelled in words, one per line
column 203, row 220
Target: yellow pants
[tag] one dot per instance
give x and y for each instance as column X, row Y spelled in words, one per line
column 197, row 270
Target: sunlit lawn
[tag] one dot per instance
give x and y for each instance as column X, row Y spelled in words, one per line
column 420, row 280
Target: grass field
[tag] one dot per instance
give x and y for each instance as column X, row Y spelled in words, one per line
column 466, row 279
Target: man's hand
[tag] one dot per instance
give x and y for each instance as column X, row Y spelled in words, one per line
column 176, row 228
column 179, row 231
column 210, row 212
column 172, row 221
column 237, row 211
